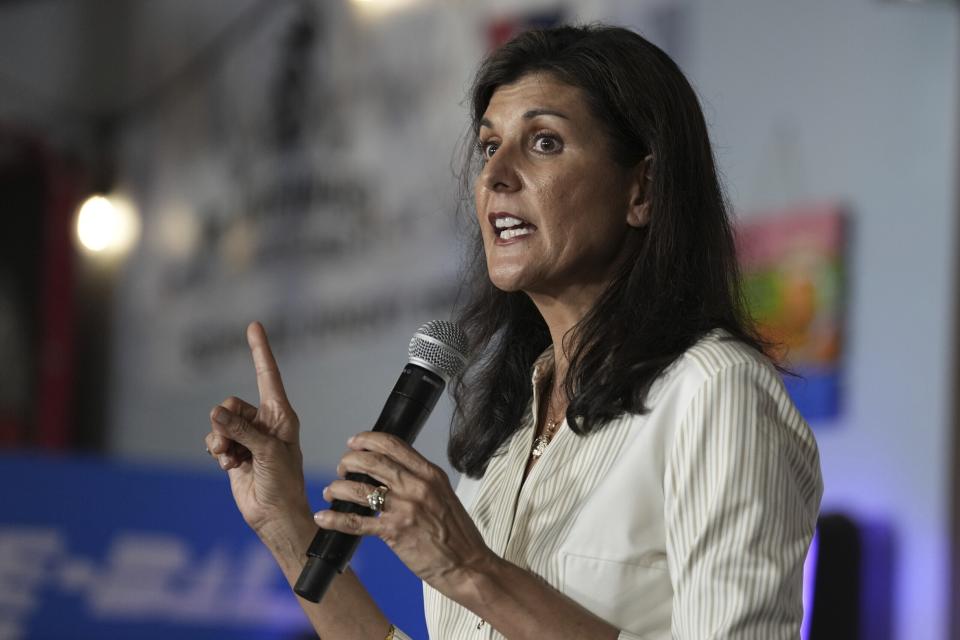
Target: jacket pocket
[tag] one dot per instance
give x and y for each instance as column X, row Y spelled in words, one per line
column 634, row 597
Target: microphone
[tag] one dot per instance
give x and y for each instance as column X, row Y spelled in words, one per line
column 437, row 353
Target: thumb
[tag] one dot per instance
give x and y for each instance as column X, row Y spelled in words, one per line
column 238, row 429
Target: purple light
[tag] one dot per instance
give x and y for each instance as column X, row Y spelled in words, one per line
column 809, row 582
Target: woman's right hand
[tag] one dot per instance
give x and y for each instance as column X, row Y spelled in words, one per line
column 259, row 447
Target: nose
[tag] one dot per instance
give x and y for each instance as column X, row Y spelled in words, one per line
column 499, row 174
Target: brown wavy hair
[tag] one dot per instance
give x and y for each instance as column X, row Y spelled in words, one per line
column 680, row 280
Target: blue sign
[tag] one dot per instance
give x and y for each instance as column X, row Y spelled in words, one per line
column 93, row 548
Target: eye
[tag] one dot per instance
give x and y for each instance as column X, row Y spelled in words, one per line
column 486, row 149
column 547, row 143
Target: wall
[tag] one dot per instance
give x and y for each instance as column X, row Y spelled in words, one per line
column 857, row 101
column 341, row 272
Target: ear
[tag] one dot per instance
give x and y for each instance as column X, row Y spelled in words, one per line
column 638, row 211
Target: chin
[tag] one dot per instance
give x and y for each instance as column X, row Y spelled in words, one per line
column 507, row 280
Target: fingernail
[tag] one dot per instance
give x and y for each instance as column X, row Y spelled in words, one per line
column 221, row 416
column 351, row 439
column 320, row 517
column 224, row 461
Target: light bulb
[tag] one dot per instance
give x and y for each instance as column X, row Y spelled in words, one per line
column 107, row 225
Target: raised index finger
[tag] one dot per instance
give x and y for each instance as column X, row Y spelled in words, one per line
column 268, row 374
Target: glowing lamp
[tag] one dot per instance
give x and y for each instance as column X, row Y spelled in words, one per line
column 107, row 225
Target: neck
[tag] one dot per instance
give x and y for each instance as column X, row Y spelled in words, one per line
column 562, row 313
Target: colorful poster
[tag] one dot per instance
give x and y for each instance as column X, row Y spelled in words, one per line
column 793, row 272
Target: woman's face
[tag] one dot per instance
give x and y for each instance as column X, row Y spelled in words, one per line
column 554, row 208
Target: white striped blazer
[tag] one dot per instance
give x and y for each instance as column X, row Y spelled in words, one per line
column 689, row 522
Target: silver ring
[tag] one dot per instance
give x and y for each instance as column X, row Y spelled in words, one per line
column 377, row 497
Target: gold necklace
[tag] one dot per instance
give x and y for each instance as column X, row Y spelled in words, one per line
column 549, row 429
column 540, row 444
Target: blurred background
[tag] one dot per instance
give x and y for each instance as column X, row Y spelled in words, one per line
column 171, row 170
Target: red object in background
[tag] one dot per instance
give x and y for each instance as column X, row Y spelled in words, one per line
column 10, row 429
column 39, row 193
column 500, row 30
column 57, row 339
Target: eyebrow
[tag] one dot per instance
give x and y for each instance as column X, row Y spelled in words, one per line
column 529, row 115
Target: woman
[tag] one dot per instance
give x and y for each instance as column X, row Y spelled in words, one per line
column 652, row 479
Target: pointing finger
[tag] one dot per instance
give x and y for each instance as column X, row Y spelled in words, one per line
column 268, row 374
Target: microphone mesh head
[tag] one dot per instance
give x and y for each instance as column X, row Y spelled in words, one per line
column 441, row 347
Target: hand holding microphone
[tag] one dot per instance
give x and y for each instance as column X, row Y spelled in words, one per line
column 422, row 520
column 383, row 466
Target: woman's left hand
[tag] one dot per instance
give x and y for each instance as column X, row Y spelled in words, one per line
column 422, row 519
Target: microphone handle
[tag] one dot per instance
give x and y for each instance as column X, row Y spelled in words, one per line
column 409, row 404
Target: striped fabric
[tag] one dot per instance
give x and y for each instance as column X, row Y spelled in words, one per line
column 689, row 522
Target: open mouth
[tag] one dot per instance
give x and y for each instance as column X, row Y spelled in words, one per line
column 508, row 227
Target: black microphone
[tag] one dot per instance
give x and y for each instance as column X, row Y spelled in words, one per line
column 437, row 353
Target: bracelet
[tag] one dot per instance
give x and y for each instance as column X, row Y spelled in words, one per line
column 390, row 632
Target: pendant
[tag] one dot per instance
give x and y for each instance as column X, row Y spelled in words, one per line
column 539, row 446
